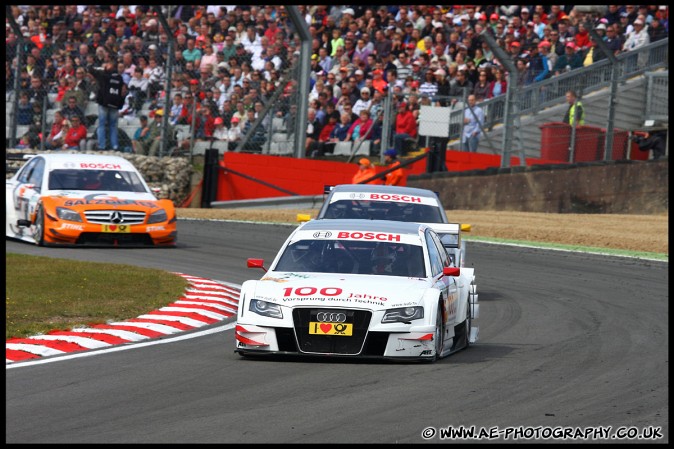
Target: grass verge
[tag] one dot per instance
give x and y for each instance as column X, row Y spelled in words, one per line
column 44, row 294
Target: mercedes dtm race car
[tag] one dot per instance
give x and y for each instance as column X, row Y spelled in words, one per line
column 408, row 204
column 86, row 199
column 358, row 288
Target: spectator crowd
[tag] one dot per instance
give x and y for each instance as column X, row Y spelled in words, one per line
column 229, row 61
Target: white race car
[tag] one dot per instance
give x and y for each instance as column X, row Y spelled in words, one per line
column 358, row 288
column 86, row 199
column 380, row 202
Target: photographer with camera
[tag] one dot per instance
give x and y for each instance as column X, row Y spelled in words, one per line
column 655, row 140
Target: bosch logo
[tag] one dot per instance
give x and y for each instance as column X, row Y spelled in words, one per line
column 331, row 317
column 357, row 196
column 70, row 165
column 116, row 217
column 319, row 234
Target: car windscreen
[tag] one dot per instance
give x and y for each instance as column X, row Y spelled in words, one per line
column 108, row 180
column 384, row 210
column 358, row 257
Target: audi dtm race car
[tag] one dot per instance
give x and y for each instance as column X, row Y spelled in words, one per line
column 86, row 199
column 408, row 204
column 358, row 288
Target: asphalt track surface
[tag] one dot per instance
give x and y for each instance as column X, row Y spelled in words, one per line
column 567, row 341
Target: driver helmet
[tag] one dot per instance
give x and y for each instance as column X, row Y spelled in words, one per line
column 382, row 258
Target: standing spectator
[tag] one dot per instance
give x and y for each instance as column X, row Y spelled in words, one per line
column 396, row 177
column 575, row 114
column 110, row 99
column 405, row 128
column 473, row 121
column 75, row 136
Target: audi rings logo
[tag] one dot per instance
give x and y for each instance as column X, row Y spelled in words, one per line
column 355, row 196
column 331, row 317
column 326, row 234
column 116, row 217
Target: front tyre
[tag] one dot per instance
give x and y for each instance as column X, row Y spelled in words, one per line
column 38, row 234
column 439, row 336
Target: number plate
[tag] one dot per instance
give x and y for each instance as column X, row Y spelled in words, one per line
column 342, row 329
column 116, row 228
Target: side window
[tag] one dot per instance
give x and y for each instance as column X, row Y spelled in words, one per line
column 27, row 171
column 446, row 262
column 36, row 174
column 433, row 255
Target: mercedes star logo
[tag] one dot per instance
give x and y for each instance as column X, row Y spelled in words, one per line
column 116, row 217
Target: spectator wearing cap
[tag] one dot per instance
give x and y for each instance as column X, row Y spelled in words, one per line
column 366, row 170
column 364, row 102
column 220, row 132
column 397, row 176
column 570, row 60
column 234, row 133
column 406, row 127
column 638, row 37
column 530, row 38
column 378, row 81
column 544, row 48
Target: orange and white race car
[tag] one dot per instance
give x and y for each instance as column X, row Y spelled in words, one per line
column 86, row 199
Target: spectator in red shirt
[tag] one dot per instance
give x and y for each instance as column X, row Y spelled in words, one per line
column 76, row 134
column 405, row 127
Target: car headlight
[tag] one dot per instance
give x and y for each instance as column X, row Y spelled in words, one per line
column 265, row 308
column 68, row 214
column 403, row 314
column 157, row 217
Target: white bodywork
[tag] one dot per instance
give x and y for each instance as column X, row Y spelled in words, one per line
column 297, row 296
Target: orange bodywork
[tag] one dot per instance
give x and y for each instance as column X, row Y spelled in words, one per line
column 107, row 220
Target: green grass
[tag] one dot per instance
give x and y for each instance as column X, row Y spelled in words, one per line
column 44, row 294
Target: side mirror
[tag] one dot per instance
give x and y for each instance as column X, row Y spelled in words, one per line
column 303, row 217
column 256, row 263
column 465, row 227
column 451, row 271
